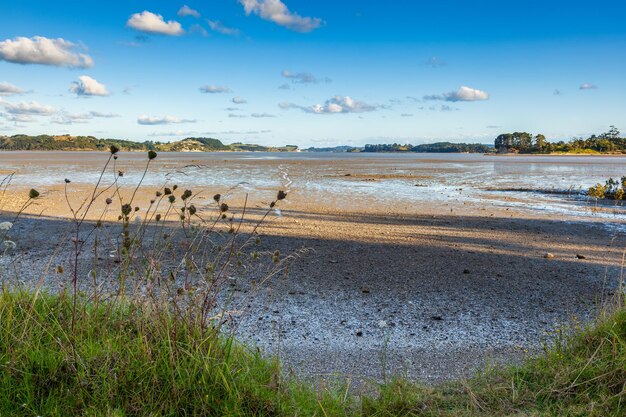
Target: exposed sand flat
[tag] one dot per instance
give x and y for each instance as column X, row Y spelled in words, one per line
column 433, row 289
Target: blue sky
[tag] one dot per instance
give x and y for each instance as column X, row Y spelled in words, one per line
column 312, row 73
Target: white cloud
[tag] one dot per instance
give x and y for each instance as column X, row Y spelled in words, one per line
column 188, row 11
column 32, row 108
column 7, row 89
column 153, row 23
column 462, row 94
column 87, row 86
column 284, row 87
column 239, row 100
column 587, row 86
column 217, row 26
column 334, row 105
column 44, row 51
column 65, row 118
column 237, row 116
column 214, row 89
column 261, row 115
column 304, row 77
column 103, row 115
column 162, row 120
column 277, row 12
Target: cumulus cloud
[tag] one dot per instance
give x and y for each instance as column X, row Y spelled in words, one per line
column 44, row 51
column 87, row 87
column 214, row 89
column 7, row 89
column 239, row 100
column 149, row 22
column 462, row 94
column 162, row 120
column 587, row 86
column 188, row 11
column 303, row 77
column 277, row 12
column 217, row 26
column 32, row 108
column 435, row 62
column 334, row 105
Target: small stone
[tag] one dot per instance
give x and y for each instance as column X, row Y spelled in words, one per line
column 579, row 256
column 466, row 271
column 548, row 255
column 365, row 291
column 359, row 333
column 438, row 318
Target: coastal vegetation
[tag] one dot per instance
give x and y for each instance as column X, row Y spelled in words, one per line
column 613, row 189
column 444, row 147
column 525, row 143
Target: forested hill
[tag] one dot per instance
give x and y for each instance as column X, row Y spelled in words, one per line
column 91, row 143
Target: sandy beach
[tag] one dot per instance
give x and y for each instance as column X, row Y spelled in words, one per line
column 432, row 289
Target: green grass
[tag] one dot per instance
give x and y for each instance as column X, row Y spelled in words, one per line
column 130, row 360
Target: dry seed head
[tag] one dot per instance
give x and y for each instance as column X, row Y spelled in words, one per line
column 114, row 149
column 151, row 155
column 33, row 193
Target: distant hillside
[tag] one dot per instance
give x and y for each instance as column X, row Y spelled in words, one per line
column 67, row 143
column 91, row 143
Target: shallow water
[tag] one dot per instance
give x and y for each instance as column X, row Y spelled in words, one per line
column 343, row 178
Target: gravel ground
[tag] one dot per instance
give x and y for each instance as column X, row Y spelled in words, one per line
column 377, row 293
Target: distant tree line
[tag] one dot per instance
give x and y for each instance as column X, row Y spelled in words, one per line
column 524, row 142
column 67, row 142
column 444, row 147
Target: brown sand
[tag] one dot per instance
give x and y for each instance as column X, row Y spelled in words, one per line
column 430, row 291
